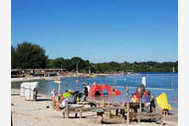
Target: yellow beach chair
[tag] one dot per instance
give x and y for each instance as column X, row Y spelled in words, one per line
column 162, row 102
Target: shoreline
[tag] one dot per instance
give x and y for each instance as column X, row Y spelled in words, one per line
column 34, row 78
column 22, row 79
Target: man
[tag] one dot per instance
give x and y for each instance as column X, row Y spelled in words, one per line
column 88, row 87
column 144, row 80
column 152, row 104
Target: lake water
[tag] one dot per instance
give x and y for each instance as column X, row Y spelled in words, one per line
column 157, row 83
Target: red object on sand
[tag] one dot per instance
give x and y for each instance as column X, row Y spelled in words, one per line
column 100, row 88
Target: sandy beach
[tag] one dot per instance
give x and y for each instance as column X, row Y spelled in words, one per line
column 35, row 113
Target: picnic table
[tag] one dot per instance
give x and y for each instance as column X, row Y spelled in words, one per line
column 112, row 112
column 72, row 108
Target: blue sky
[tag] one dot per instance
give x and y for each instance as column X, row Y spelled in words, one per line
column 99, row 30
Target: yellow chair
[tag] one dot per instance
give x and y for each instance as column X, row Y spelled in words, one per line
column 162, row 102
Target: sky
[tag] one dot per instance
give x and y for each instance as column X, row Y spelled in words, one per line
column 99, row 30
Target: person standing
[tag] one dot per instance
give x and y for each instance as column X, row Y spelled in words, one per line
column 152, row 104
column 53, row 94
column 144, row 80
column 88, row 87
column 52, row 97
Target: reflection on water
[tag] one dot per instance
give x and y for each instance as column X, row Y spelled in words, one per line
column 156, row 83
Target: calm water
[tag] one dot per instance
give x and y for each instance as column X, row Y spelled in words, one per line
column 156, row 83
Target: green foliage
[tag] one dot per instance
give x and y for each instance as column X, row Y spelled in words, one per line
column 27, row 55
column 69, row 64
column 13, row 57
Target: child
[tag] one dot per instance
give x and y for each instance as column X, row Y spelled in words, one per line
column 53, row 93
column 52, row 98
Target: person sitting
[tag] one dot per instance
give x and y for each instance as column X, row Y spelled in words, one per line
column 134, row 101
column 67, row 93
column 134, row 98
column 146, row 100
column 77, row 96
column 60, row 104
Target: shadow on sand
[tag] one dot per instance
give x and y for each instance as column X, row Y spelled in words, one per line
column 43, row 99
column 15, row 94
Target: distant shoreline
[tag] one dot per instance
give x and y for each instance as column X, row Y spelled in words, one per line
column 21, row 79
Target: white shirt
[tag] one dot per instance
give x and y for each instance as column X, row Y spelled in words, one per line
column 88, row 87
column 144, row 81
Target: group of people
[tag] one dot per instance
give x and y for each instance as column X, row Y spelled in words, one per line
column 68, row 97
column 146, row 99
column 61, row 100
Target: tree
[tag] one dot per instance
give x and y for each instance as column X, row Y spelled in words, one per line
column 83, row 65
column 13, row 57
column 50, row 63
column 30, row 56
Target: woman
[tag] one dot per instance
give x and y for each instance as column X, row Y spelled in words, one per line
column 53, row 94
column 52, row 97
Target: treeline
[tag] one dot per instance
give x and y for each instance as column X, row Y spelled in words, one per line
column 31, row 56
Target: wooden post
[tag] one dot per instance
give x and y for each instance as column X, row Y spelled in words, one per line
column 67, row 111
column 80, row 113
column 11, row 120
column 63, row 113
column 59, row 87
column 128, row 113
column 139, row 112
column 59, row 84
column 128, row 107
column 109, row 113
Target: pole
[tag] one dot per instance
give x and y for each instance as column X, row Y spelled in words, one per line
column 59, row 86
column 11, row 120
column 61, row 67
column 77, row 67
column 140, row 110
column 127, row 99
column 89, row 70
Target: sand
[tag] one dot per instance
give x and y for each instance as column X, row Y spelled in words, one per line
column 35, row 113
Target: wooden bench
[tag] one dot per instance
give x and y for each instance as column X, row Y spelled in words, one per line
column 72, row 108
